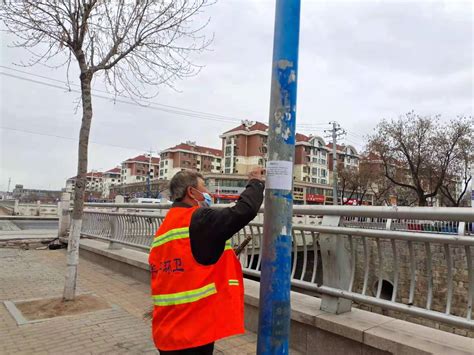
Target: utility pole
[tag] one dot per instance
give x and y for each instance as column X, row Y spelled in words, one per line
column 9, row 182
column 336, row 132
column 148, row 178
column 275, row 308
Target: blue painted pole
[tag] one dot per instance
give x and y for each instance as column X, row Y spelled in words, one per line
column 275, row 308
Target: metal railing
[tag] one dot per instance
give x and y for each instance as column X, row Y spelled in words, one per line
column 416, row 261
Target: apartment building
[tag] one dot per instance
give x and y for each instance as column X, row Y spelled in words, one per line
column 110, row 179
column 347, row 155
column 189, row 156
column 244, row 147
column 136, row 169
column 95, row 181
column 311, row 160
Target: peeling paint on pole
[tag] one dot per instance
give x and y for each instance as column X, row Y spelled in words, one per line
column 274, row 319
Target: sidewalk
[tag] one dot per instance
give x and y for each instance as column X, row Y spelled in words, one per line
column 26, row 274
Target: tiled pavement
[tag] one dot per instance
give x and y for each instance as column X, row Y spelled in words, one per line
column 26, row 274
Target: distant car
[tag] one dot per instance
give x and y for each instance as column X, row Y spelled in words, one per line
column 149, row 200
column 143, row 200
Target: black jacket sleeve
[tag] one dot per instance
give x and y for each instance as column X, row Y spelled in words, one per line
column 211, row 228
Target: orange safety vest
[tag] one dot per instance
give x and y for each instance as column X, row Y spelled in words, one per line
column 194, row 304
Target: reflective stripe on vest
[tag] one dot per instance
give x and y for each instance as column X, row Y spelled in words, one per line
column 172, row 299
column 233, row 282
column 173, row 234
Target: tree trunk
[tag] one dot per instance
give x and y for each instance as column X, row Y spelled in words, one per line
column 80, row 186
column 422, row 202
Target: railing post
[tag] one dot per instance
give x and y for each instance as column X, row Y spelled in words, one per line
column 16, row 210
column 115, row 226
column 63, row 213
column 38, row 208
column 336, row 260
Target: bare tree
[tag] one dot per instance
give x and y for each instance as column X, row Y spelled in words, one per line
column 458, row 177
column 134, row 46
column 378, row 186
column 417, row 152
column 353, row 183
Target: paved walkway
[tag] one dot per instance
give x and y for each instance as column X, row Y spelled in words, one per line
column 26, row 274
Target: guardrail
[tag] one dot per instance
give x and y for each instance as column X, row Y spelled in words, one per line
column 8, row 205
column 416, row 261
column 29, row 209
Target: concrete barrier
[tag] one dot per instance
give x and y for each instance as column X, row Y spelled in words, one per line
column 313, row 331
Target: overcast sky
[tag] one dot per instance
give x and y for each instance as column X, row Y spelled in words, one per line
column 359, row 62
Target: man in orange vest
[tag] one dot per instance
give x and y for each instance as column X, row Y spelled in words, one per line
column 196, row 279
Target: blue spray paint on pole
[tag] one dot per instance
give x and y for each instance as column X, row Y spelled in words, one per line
column 275, row 309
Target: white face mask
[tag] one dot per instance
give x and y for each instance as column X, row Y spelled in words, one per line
column 207, row 202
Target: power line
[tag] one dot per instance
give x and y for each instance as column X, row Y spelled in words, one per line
column 68, row 138
column 354, row 142
column 121, row 101
column 123, row 96
column 313, row 124
column 356, row 135
column 312, row 127
column 151, row 105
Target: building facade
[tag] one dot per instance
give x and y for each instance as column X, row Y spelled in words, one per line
column 137, row 169
column 226, row 188
column 311, row 160
column 32, row 195
column 95, row 182
column 94, row 186
column 111, row 178
column 347, row 157
column 244, row 147
column 189, row 156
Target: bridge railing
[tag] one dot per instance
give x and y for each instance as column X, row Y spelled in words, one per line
column 8, row 205
column 413, row 261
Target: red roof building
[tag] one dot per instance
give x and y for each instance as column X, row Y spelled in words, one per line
column 189, row 156
column 137, row 169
